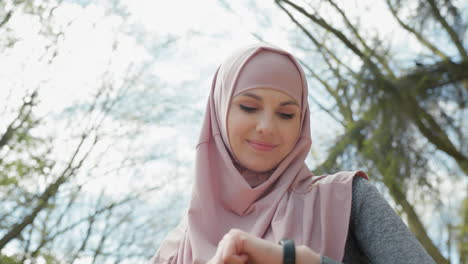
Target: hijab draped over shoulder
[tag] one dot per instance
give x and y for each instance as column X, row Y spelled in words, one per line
column 289, row 203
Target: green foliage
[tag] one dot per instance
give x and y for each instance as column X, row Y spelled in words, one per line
column 50, row 259
column 462, row 232
column 9, row 260
column 45, row 258
column 398, row 115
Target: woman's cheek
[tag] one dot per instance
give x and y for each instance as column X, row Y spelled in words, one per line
column 291, row 133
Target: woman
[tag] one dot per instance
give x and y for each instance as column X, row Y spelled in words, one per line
column 253, row 189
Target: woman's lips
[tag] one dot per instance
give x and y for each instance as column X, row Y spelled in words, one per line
column 261, row 146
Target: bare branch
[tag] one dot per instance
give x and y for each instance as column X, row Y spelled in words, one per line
column 319, row 45
column 379, row 58
column 24, row 115
column 415, row 223
column 322, row 23
column 6, row 18
column 418, row 36
column 452, row 34
column 43, row 199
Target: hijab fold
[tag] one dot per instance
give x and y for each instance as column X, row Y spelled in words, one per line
column 289, row 203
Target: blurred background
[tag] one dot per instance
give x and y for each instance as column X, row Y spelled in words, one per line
column 101, row 104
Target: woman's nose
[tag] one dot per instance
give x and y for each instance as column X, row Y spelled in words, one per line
column 265, row 125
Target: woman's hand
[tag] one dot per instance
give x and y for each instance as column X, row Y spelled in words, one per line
column 238, row 247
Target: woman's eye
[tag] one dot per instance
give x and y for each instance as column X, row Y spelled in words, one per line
column 248, row 109
column 286, row 116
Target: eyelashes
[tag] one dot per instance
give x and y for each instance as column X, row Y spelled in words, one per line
column 286, row 116
column 253, row 109
column 248, row 109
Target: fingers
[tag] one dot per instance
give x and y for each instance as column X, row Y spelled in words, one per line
column 230, row 249
column 231, row 244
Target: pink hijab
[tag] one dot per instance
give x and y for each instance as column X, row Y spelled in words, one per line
column 289, row 203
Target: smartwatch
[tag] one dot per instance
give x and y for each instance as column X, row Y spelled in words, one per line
column 289, row 251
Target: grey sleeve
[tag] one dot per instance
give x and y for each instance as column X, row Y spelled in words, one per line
column 379, row 232
column 326, row 260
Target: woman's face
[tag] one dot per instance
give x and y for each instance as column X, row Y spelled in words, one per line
column 262, row 125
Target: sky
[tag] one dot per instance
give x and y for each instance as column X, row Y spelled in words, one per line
column 206, row 31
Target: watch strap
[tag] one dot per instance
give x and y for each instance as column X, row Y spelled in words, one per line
column 289, row 251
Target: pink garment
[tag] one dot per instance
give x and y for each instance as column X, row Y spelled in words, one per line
column 290, row 203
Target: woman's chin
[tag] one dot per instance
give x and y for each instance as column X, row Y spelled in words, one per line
column 259, row 169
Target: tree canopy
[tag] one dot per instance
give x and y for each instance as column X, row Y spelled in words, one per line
column 404, row 120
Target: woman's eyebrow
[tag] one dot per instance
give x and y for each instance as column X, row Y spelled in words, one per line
column 290, row 102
